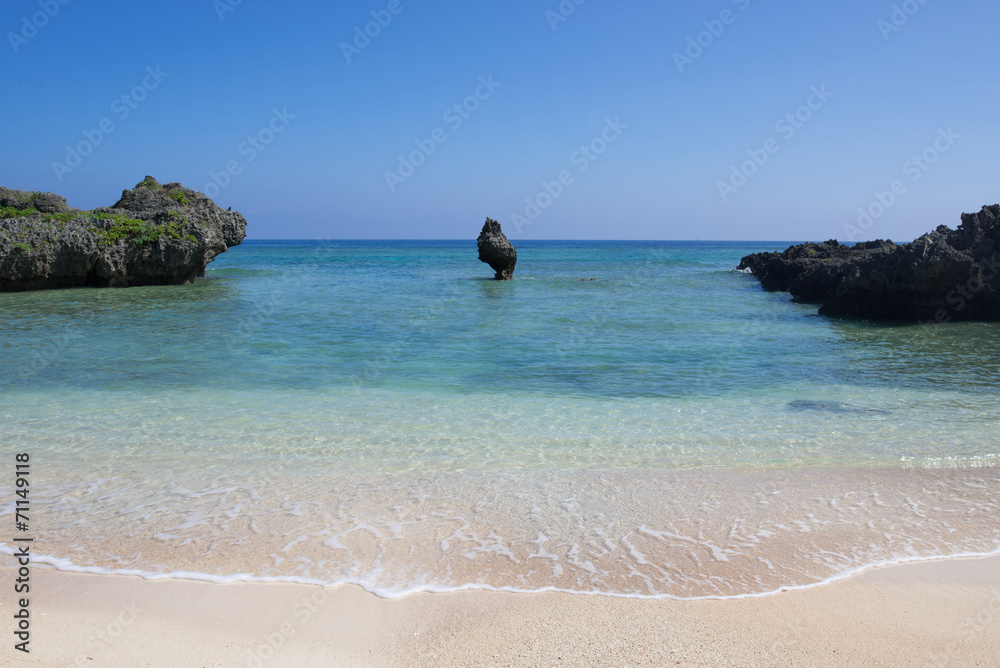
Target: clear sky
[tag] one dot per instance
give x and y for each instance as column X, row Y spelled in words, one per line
column 648, row 112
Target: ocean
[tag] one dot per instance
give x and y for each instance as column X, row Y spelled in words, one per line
column 383, row 413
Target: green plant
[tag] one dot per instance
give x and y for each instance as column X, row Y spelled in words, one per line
column 172, row 230
column 122, row 228
column 179, row 197
column 136, row 231
column 23, row 247
column 66, row 217
column 12, row 212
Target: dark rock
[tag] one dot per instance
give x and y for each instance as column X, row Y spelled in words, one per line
column 496, row 251
column 50, row 203
column 14, row 199
column 41, row 202
column 154, row 235
column 944, row 275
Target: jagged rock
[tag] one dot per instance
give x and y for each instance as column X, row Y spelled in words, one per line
column 496, row 251
column 25, row 201
column 154, row 235
column 50, row 203
column 944, row 275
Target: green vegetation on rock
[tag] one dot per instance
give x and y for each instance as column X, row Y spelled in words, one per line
column 138, row 231
column 122, row 227
column 134, row 230
column 66, row 217
column 13, row 212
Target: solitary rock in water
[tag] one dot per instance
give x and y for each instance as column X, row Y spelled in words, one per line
column 943, row 276
column 496, row 251
column 154, row 235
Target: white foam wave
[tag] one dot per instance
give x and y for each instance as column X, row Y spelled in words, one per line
column 67, row 566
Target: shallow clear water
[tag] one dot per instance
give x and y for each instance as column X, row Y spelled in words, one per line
column 382, row 413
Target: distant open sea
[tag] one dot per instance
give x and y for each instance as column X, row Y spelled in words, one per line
column 383, row 413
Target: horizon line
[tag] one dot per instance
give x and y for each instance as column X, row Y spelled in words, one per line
column 467, row 239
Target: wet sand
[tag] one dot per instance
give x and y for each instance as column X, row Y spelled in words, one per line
column 927, row 613
column 686, row 534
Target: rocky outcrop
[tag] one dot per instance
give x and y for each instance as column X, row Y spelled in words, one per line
column 942, row 276
column 496, row 251
column 39, row 201
column 154, row 235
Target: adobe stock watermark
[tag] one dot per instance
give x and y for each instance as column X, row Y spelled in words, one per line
column 122, row 107
column 48, row 353
column 363, row 36
column 959, row 297
column 374, row 367
column 901, row 13
column 714, row 28
column 249, row 148
column 264, row 309
column 914, row 168
column 223, row 7
column 455, row 117
column 30, row 25
column 274, row 641
column 100, row 640
column 787, row 126
column 581, row 159
column 976, row 627
column 562, row 13
column 593, row 320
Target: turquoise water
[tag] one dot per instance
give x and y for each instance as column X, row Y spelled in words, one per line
column 308, row 393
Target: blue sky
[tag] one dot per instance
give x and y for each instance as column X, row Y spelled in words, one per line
column 647, row 144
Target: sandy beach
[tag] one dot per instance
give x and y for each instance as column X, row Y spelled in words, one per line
column 934, row 613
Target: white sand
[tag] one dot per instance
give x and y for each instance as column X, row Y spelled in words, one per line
column 930, row 613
